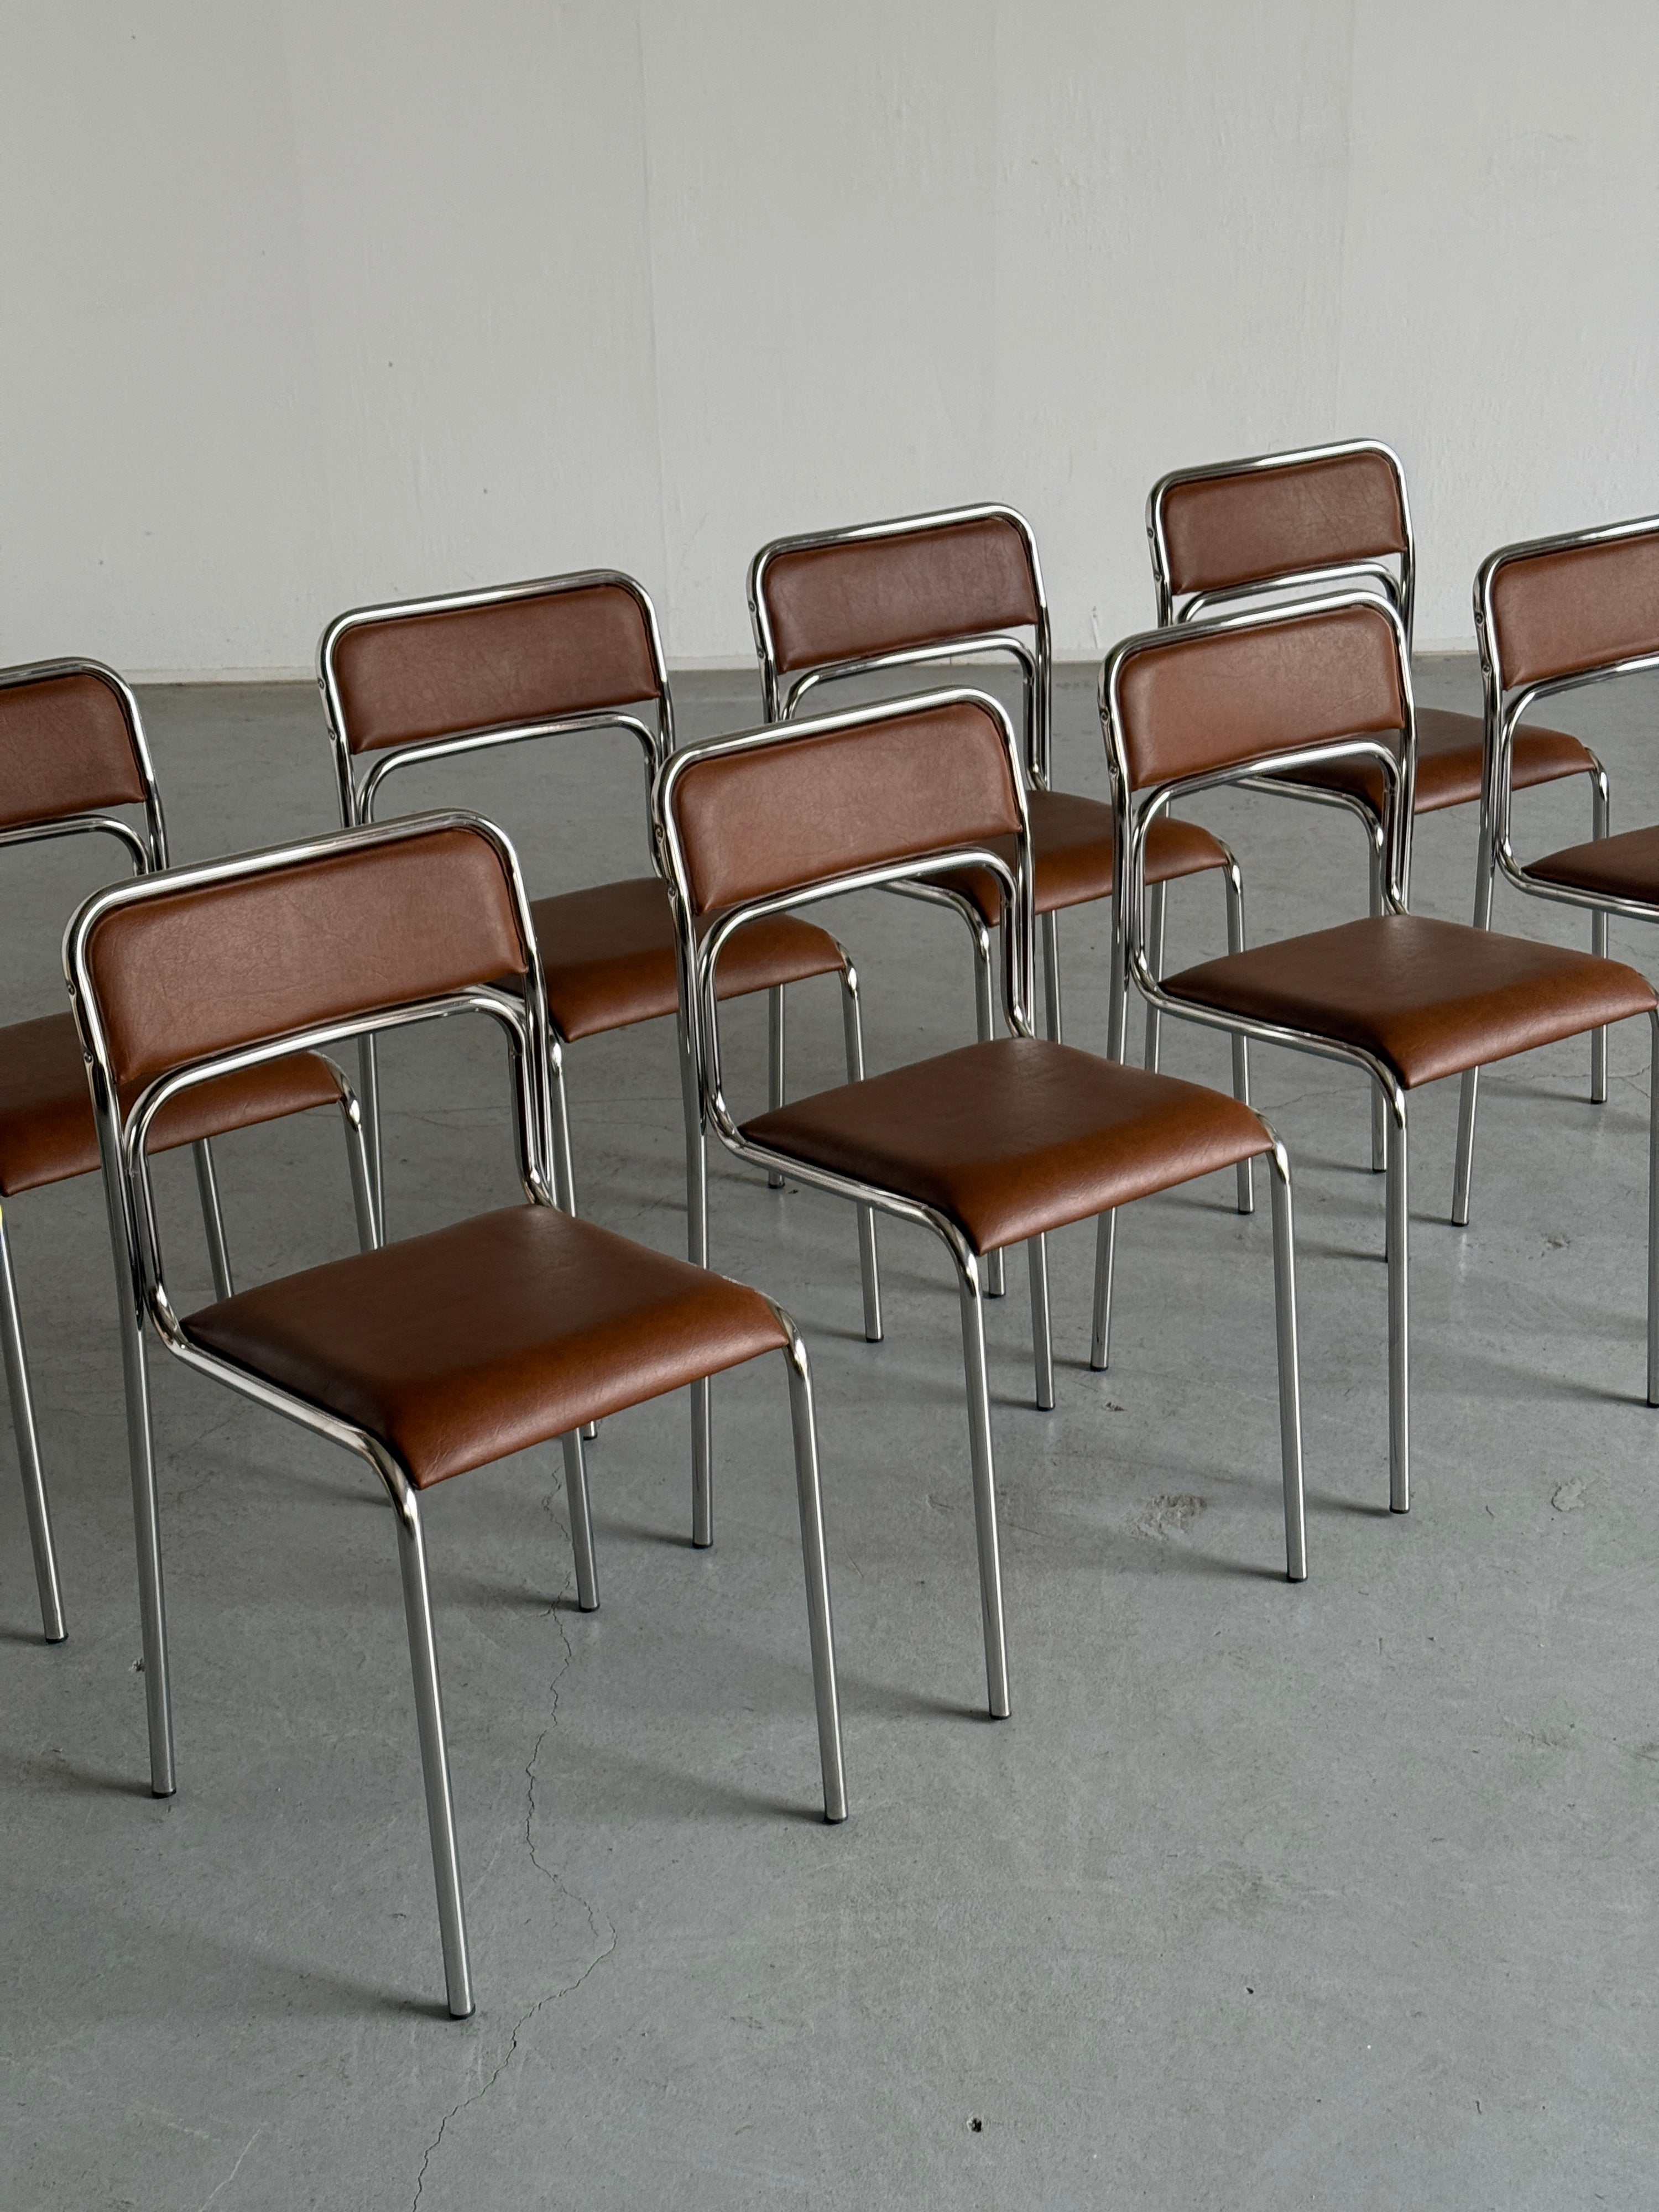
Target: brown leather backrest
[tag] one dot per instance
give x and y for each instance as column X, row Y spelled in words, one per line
column 66, row 747
column 1244, row 528
column 869, row 595
column 403, row 678
column 1191, row 705
column 1579, row 608
column 801, row 809
column 183, row 973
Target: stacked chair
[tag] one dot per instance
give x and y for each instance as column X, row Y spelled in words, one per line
column 209, row 997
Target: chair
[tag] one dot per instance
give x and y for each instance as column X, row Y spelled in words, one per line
column 1552, row 616
column 992, row 1144
column 71, row 748
column 926, row 588
column 1272, row 693
column 560, row 658
column 1233, row 532
column 427, row 1358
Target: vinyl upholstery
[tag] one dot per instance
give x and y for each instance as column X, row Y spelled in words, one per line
column 609, row 956
column 1625, row 866
column 917, row 587
column 1074, row 856
column 47, row 1131
column 1242, row 527
column 1450, row 763
column 1427, row 998
column 458, row 1348
column 1580, row 607
column 66, row 747
column 403, row 678
column 1015, row 1136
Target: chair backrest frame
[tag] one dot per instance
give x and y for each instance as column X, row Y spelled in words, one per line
column 1509, row 696
column 1035, row 661
column 699, row 946
column 357, row 798
column 1136, row 808
column 1371, row 572
column 123, row 1129
column 148, row 852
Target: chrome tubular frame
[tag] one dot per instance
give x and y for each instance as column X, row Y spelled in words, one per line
column 122, row 1139
column 1135, row 817
column 1506, row 708
column 147, row 851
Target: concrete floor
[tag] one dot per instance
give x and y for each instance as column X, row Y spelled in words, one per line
column 1267, row 1897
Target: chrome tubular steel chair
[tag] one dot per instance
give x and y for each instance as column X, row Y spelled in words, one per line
column 561, row 657
column 1327, row 518
column 1553, row 615
column 1273, row 693
column 928, row 587
column 430, row 1357
column 989, row 1145
column 71, row 748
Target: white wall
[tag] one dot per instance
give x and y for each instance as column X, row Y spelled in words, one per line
column 308, row 302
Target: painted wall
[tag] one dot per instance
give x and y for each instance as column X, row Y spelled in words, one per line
column 314, row 301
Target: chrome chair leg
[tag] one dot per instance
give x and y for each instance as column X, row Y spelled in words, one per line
column 581, row 1524
column 985, row 1029
column 1117, row 1003
column 146, row 1529
column 1289, row 1390
column 1245, row 1173
column 774, row 1076
column 869, row 1263
column 35, row 1505
column 207, row 1185
column 1600, row 808
column 696, row 1211
column 1399, row 1243
column 815, row 1559
column 1105, row 1254
column 435, row 1751
column 1042, row 1348
column 1379, row 1111
column 368, row 1095
column 358, row 1162
column 984, row 1494
column 1468, row 1102
column 1653, row 1215
column 1049, row 926
column 564, row 1173
column 1157, row 901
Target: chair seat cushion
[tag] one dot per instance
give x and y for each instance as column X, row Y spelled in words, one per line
column 1625, row 866
column 47, row 1132
column 1427, row 998
column 1015, row 1136
column 1451, row 755
column 1074, row 856
column 609, row 956
column 458, row 1348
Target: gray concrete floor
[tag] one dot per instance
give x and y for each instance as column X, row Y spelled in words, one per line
column 1335, row 1895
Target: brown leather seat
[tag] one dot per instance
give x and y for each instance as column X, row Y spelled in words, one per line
column 1625, row 866
column 1074, row 856
column 1016, row 1137
column 1450, row 756
column 483, row 1339
column 47, row 1134
column 1428, row 997
column 609, row 956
